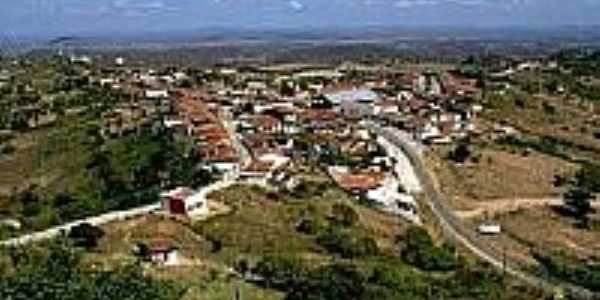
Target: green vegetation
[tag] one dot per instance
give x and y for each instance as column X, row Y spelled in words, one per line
column 66, row 169
column 582, row 62
column 547, row 145
column 324, row 248
column 581, row 192
column 347, row 244
column 379, row 280
column 560, row 266
column 132, row 171
column 420, row 252
column 123, row 173
column 58, row 275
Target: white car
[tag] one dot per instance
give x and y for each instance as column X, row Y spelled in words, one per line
column 489, row 229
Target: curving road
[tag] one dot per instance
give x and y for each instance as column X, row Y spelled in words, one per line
column 109, row 217
column 457, row 232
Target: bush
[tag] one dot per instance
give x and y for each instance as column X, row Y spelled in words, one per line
column 280, row 272
column 335, row 282
column 344, row 215
column 560, row 267
column 59, row 275
column 86, row 235
column 347, row 245
column 420, row 252
column 461, row 153
column 311, row 225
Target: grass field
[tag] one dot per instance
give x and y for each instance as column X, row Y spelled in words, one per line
column 499, row 175
column 259, row 224
column 547, row 230
column 573, row 123
column 52, row 160
column 262, row 225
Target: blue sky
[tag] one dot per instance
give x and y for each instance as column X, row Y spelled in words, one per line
column 53, row 17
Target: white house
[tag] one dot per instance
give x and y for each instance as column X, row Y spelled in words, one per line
column 184, row 201
column 163, row 252
column 156, row 94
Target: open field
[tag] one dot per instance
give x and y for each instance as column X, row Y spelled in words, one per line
column 499, row 175
column 572, row 124
column 52, row 160
column 548, row 230
column 541, row 230
column 261, row 224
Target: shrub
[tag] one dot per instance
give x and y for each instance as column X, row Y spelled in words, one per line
column 344, row 215
column 338, row 281
column 311, row 225
column 347, row 245
column 420, row 252
column 280, row 272
column 86, row 235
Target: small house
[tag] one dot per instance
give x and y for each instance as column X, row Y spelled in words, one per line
column 162, row 252
column 183, row 201
column 156, row 94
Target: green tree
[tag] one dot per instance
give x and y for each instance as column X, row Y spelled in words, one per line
column 420, row 251
column 344, row 214
column 334, row 282
column 280, row 271
column 58, row 275
column 578, row 199
column 86, row 235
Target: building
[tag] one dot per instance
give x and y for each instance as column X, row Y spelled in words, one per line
column 257, row 172
column 162, row 252
column 183, row 201
column 352, row 95
column 156, row 94
column 357, row 184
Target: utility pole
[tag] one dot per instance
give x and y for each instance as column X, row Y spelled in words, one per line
column 238, row 294
column 504, row 265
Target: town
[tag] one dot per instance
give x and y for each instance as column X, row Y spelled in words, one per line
column 383, row 178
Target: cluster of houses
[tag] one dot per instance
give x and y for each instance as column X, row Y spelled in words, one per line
column 260, row 123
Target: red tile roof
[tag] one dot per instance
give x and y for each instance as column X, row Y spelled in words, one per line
column 359, row 182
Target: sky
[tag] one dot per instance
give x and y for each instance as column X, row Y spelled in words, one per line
column 72, row 17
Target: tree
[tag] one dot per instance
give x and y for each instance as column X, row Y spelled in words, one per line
column 338, row 281
column 589, row 177
column 420, row 251
column 280, row 272
column 310, row 225
column 344, row 214
column 58, row 275
column 86, row 235
column 579, row 196
column 346, row 244
column 461, row 153
column 578, row 199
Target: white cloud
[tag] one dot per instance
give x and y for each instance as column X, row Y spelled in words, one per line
column 296, row 5
column 413, row 3
column 141, row 6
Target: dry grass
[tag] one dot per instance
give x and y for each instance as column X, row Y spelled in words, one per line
column 202, row 275
column 117, row 245
column 548, row 230
column 499, row 175
column 259, row 225
column 568, row 123
column 53, row 159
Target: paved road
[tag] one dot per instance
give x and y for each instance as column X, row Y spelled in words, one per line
column 109, row 217
column 456, row 231
column 96, row 221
